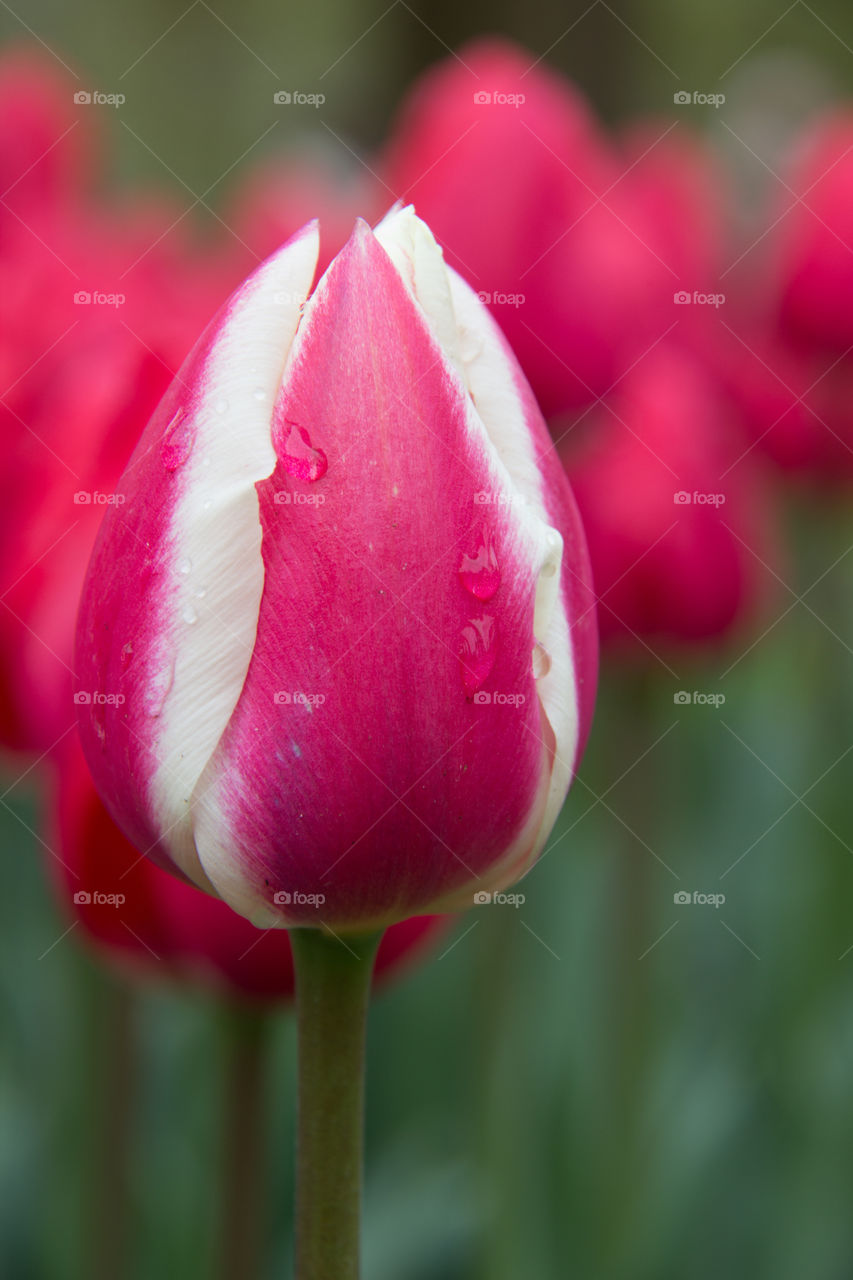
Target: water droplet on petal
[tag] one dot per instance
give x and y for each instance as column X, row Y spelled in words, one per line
column 221, row 406
column 178, row 441
column 185, row 565
column 126, row 655
column 200, row 593
column 477, row 652
column 259, row 394
column 159, row 688
column 541, row 661
column 479, row 573
column 189, row 614
column 298, row 455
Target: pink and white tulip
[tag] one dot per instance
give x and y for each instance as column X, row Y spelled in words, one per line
column 336, row 652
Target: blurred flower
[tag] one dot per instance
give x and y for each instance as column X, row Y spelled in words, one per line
column 45, row 155
column 578, row 243
column 814, row 239
column 790, row 364
column 676, row 521
column 278, row 197
column 151, row 923
column 99, row 304
column 356, row 668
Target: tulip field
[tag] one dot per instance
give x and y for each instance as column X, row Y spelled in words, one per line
column 426, row 645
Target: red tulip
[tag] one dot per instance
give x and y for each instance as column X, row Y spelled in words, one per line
column 813, row 244
column 675, row 523
column 790, row 368
column 578, row 244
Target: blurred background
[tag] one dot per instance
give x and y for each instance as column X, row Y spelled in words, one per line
column 643, row 1070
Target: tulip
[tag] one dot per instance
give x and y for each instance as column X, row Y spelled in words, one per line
column 796, row 403
column 677, row 524
column 99, row 305
column 789, row 369
column 813, row 243
column 44, row 156
column 336, row 648
column 577, row 241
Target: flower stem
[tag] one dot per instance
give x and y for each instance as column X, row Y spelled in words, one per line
column 244, row 1178
column 117, row 1101
column 332, row 993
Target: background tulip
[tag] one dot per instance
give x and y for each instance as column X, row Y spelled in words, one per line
column 284, row 521
column 675, row 517
column 579, row 255
column 789, row 365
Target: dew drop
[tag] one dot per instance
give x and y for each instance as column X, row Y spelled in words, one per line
column 299, row 457
column 126, row 656
column 259, row 394
column 159, row 688
column 479, row 573
column 189, row 614
column 541, row 661
column 200, row 593
column 477, row 652
column 185, row 565
column 221, row 406
column 178, row 441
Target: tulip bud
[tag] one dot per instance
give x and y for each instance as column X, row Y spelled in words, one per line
column 336, row 649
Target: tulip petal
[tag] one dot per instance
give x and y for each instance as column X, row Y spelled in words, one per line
column 179, row 644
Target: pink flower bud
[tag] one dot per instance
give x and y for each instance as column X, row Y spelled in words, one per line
column 336, row 651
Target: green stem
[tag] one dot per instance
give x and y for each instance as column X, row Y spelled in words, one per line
column 118, row 1094
column 332, row 993
column 243, row 1181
